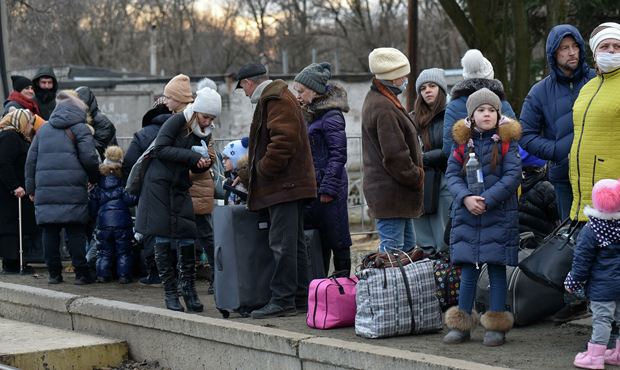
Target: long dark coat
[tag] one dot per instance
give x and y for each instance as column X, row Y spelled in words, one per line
column 393, row 172
column 165, row 206
column 328, row 143
column 13, row 152
column 58, row 169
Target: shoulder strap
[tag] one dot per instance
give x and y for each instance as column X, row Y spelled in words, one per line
column 505, row 148
column 71, row 135
column 459, row 153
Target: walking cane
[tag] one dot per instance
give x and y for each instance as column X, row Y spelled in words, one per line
column 21, row 248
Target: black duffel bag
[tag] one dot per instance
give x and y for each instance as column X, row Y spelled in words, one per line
column 552, row 260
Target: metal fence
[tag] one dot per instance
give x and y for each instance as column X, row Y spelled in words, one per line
column 359, row 220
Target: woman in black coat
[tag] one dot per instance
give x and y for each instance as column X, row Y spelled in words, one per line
column 165, row 207
column 16, row 129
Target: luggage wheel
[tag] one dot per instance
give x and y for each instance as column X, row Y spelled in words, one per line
column 225, row 314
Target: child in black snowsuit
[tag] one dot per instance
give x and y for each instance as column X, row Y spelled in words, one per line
column 110, row 203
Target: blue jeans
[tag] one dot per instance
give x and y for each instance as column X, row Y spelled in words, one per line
column 395, row 233
column 563, row 198
column 467, row 290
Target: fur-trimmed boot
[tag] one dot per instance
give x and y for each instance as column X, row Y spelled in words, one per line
column 496, row 324
column 612, row 356
column 460, row 324
column 593, row 358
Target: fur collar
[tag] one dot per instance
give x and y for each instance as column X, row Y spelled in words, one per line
column 470, row 86
column 593, row 212
column 334, row 98
column 509, row 130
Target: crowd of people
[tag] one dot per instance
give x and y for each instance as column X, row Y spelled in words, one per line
column 59, row 157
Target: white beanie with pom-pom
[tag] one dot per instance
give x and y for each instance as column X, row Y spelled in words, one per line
column 475, row 65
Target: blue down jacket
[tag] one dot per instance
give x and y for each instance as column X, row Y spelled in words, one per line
column 492, row 237
column 547, row 113
column 58, row 169
column 328, row 144
column 109, row 203
column 456, row 109
column 597, row 256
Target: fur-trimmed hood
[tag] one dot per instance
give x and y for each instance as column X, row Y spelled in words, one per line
column 509, row 130
column 114, row 169
column 470, row 86
column 334, row 98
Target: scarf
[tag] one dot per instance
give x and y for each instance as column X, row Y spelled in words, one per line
column 25, row 102
column 383, row 90
column 18, row 120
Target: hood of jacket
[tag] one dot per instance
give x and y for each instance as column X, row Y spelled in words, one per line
column 86, row 95
column 334, row 98
column 509, row 130
column 44, row 72
column 110, row 182
column 470, row 86
column 554, row 39
column 156, row 115
column 66, row 115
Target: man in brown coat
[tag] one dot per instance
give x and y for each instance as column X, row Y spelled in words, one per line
column 281, row 178
column 393, row 171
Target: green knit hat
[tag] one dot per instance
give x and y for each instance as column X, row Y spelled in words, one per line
column 315, row 76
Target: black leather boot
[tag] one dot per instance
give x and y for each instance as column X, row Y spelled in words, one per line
column 187, row 275
column 163, row 259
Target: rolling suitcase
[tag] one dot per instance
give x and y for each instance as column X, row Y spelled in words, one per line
column 243, row 260
column 316, row 270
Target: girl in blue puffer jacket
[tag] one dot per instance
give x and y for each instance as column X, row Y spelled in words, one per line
column 109, row 203
column 485, row 227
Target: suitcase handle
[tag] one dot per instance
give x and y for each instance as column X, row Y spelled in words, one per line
column 218, row 258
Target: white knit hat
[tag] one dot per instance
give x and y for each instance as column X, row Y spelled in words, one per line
column 475, row 65
column 608, row 30
column 388, row 63
column 208, row 101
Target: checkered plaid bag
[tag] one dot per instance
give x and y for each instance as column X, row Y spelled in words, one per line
column 397, row 301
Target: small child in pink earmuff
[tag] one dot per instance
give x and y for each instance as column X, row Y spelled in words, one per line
column 596, row 269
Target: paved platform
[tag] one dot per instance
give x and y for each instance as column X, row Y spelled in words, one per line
column 28, row 346
column 135, row 314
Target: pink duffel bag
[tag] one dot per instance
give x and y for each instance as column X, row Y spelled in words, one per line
column 331, row 303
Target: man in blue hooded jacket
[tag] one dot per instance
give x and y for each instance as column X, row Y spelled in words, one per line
column 546, row 115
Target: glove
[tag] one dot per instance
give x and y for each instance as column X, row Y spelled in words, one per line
column 203, row 149
column 574, row 287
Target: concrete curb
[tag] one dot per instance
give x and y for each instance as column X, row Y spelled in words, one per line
column 186, row 341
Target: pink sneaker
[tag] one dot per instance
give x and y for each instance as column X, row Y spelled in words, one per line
column 612, row 356
column 593, row 358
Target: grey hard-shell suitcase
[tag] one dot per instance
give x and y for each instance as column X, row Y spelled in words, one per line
column 528, row 300
column 243, row 260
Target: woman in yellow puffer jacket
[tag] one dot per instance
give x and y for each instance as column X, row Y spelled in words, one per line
column 595, row 153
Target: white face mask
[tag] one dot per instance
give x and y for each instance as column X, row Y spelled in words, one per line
column 403, row 87
column 607, row 62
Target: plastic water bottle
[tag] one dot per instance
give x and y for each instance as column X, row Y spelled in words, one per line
column 475, row 180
